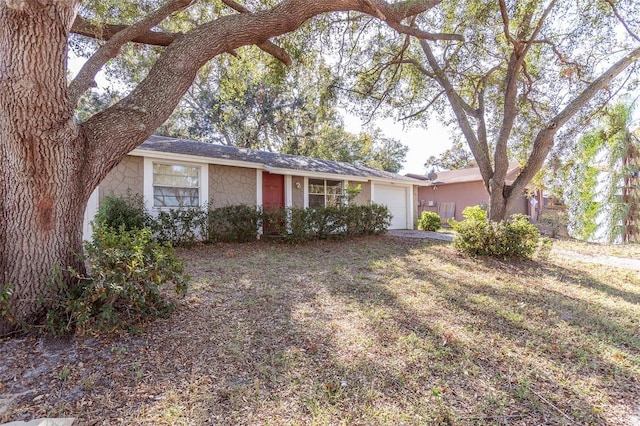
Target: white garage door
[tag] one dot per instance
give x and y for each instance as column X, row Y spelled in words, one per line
column 395, row 198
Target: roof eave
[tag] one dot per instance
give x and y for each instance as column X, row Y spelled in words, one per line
column 189, row 158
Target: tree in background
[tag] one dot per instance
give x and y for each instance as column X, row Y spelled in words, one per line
column 602, row 192
column 254, row 101
column 525, row 73
column 456, row 157
column 52, row 163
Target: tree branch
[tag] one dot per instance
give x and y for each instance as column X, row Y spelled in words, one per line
column 417, row 65
column 545, row 138
column 516, row 63
column 84, row 27
column 111, row 48
column 622, row 21
column 536, row 31
column 268, row 47
column 394, row 14
column 482, row 124
column 120, row 128
column 397, row 61
column 423, row 109
column 480, row 150
column 404, row 29
column 504, row 14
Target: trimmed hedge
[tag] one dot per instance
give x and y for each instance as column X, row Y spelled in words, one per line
column 233, row 223
column 297, row 225
column 241, row 223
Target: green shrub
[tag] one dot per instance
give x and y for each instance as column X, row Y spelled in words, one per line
column 180, row 227
column 376, row 219
column 298, row 225
column 353, row 220
column 274, row 222
column 126, row 211
column 474, row 213
column 325, row 222
column 238, row 223
column 127, row 269
column 429, row 221
column 299, row 229
column 515, row 238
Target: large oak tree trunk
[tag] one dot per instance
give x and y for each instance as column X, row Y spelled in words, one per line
column 42, row 181
column 498, row 205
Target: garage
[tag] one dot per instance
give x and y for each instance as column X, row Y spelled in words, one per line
column 395, row 198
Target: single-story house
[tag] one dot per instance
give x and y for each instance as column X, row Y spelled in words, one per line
column 454, row 190
column 172, row 173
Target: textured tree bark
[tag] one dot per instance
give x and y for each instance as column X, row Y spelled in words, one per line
column 498, row 204
column 42, row 196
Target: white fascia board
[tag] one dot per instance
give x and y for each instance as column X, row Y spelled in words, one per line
column 398, row 183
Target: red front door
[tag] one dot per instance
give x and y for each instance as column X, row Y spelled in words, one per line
column 272, row 191
column 272, row 198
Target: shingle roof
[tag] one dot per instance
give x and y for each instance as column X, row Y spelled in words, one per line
column 271, row 159
column 471, row 174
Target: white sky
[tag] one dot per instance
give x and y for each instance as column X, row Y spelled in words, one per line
column 422, row 143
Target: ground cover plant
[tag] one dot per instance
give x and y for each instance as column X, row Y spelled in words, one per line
column 369, row 331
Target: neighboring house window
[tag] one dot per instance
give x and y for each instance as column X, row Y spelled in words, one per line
column 324, row 193
column 176, row 185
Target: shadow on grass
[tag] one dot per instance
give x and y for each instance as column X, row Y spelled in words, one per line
column 369, row 331
column 572, row 351
column 324, row 333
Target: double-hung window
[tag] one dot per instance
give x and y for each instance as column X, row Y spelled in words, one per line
column 324, row 193
column 176, row 185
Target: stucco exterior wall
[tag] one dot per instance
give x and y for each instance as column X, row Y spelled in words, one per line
column 297, row 194
column 127, row 175
column 463, row 195
column 230, row 185
column 364, row 196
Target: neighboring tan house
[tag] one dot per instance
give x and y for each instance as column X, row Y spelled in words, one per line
column 172, row 173
column 454, row 190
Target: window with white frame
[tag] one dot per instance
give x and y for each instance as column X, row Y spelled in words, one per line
column 176, row 185
column 323, row 193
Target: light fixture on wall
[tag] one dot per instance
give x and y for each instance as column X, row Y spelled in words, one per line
column 298, row 185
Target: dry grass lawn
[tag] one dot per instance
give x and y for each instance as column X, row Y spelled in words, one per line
column 373, row 331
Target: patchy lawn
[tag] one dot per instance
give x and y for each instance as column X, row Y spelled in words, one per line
column 374, row 331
